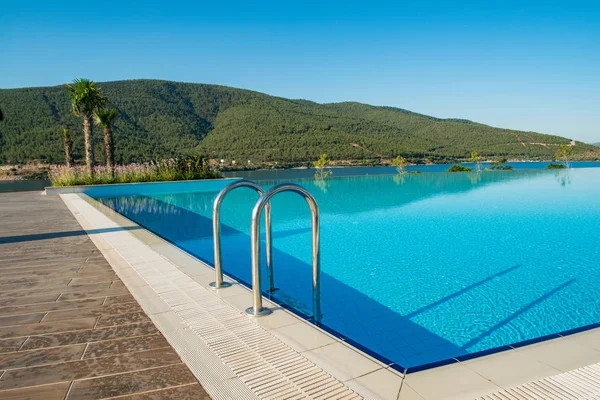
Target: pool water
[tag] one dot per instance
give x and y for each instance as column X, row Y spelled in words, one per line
column 415, row 268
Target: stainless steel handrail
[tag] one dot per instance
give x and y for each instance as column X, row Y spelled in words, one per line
column 257, row 309
column 218, row 283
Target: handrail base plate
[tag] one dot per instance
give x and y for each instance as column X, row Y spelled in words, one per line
column 250, row 312
column 224, row 285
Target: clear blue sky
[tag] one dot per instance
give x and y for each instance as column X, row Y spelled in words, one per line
column 525, row 65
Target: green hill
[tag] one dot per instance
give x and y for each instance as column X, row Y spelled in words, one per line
column 159, row 119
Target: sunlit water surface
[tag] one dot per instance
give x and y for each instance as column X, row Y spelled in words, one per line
column 417, row 268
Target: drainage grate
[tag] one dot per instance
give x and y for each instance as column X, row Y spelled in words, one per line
column 582, row 383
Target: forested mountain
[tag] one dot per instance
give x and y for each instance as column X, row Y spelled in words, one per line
column 159, row 119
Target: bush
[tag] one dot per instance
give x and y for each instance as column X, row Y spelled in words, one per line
column 174, row 169
column 555, row 166
column 459, row 168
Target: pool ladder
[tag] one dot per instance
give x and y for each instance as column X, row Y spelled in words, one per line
column 263, row 203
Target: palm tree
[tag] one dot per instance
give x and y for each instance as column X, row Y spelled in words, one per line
column 68, row 146
column 86, row 98
column 105, row 118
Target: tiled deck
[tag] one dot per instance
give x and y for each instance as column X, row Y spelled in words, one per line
column 69, row 328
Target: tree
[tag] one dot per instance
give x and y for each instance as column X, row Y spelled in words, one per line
column 500, row 165
column 68, row 147
column 1, row 115
column 86, row 98
column 105, row 118
column 320, row 165
column 477, row 159
column 400, row 163
column 565, row 154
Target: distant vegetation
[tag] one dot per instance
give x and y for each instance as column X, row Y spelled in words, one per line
column 459, row 168
column 555, row 166
column 161, row 119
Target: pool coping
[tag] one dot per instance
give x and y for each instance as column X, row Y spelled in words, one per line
column 389, row 373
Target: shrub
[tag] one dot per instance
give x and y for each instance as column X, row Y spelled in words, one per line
column 500, row 165
column 320, row 165
column 459, row 168
column 555, row 166
column 174, row 169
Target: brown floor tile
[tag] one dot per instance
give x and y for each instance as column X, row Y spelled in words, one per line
column 100, row 311
column 127, row 298
column 7, row 289
column 40, row 357
column 89, row 368
column 86, row 294
column 38, row 272
column 76, row 287
column 117, row 284
column 54, row 306
column 8, row 345
column 26, row 279
column 46, row 327
column 90, row 335
column 122, row 319
column 133, row 382
column 187, row 392
column 21, row 319
column 76, row 281
column 122, row 346
column 69, row 292
column 96, row 272
column 46, row 392
column 33, row 299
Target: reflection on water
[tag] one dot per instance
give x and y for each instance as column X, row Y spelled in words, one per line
column 23, row 185
column 362, row 171
column 563, row 176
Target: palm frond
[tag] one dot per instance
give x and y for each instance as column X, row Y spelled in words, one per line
column 104, row 117
column 86, row 97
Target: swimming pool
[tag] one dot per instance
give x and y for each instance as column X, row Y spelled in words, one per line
column 417, row 269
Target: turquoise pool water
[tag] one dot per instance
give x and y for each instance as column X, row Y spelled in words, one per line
column 418, row 268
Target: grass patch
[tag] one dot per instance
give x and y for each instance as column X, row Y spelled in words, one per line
column 174, row 169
